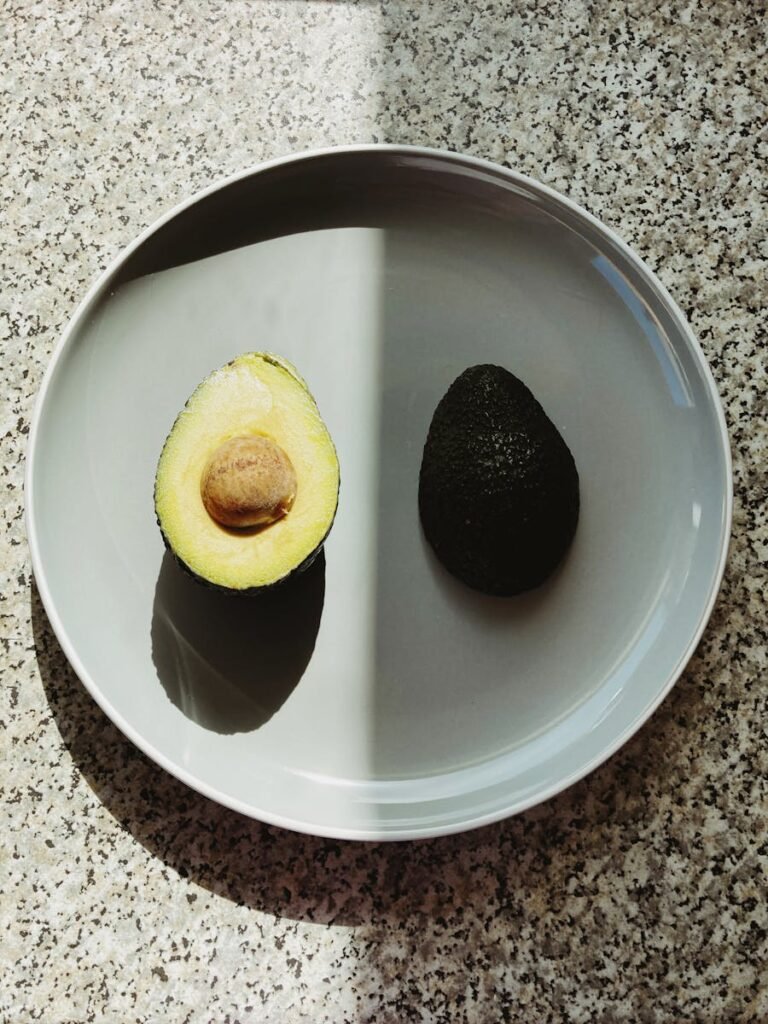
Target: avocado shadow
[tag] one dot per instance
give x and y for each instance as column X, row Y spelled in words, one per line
column 230, row 662
column 491, row 611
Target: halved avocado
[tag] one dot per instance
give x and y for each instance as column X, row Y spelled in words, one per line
column 248, row 479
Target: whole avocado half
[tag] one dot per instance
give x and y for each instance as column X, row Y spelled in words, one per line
column 257, row 394
column 498, row 487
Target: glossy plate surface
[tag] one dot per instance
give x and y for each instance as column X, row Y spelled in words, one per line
column 377, row 697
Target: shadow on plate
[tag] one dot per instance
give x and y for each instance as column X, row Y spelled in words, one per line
column 227, row 662
column 489, row 611
column 380, row 885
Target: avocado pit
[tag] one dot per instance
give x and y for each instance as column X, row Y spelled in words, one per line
column 248, row 481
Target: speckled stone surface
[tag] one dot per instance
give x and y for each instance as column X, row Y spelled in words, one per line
column 638, row 895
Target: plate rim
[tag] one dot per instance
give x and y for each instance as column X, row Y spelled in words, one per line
column 513, row 807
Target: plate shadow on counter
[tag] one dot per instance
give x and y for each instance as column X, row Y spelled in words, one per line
column 307, row 878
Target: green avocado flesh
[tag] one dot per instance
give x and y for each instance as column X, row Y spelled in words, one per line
column 257, row 395
column 498, row 488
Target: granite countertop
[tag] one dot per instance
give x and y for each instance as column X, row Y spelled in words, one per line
column 639, row 894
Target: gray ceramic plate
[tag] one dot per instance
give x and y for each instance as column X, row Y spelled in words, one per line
column 379, row 698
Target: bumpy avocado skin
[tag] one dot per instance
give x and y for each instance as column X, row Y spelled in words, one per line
column 498, row 488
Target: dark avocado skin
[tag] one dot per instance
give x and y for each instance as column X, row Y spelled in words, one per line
column 498, row 488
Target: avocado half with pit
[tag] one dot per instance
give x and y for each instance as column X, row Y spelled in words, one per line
column 247, row 483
